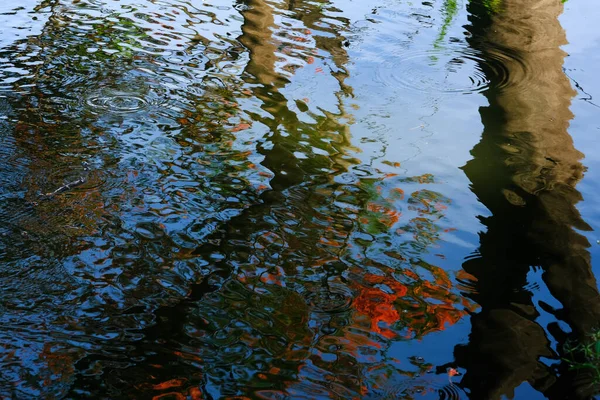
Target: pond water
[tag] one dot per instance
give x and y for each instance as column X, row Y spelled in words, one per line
column 299, row 199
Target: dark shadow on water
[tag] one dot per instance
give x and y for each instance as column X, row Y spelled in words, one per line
column 525, row 170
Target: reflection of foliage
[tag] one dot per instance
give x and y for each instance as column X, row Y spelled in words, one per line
column 382, row 210
column 380, row 214
column 430, row 204
column 394, row 307
column 399, row 296
column 585, row 358
column 130, row 238
column 493, row 6
column 379, row 304
column 449, row 9
column 396, row 292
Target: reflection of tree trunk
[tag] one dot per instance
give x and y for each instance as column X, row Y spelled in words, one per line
column 257, row 38
column 525, row 170
column 537, row 110
column 537, row 113
column 259, row 33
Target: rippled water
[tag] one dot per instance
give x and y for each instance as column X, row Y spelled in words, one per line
column 303, row 199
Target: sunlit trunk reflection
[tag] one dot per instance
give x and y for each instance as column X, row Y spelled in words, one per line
column 524, row 170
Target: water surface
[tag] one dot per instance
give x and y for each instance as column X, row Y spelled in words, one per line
column 302, row 199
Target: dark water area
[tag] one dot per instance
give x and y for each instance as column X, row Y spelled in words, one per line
column 299, row 200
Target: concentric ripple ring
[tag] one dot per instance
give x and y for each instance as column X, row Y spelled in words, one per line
column 455, row 69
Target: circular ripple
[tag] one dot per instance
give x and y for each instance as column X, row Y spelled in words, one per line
column 63, row 179
column 454, row 70
column 138, row 98
column 424, row 389
column 118, row 102
column 333, row 298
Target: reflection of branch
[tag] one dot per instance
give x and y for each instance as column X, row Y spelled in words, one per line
column 66, row 186
column 47, row 4
column 578, row 86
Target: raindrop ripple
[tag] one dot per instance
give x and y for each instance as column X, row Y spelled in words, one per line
column 456, row 69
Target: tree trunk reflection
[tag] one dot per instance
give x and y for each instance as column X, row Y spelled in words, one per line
column 524, row 171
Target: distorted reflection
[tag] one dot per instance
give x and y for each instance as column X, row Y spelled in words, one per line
column 211, row 200
column 525, row 170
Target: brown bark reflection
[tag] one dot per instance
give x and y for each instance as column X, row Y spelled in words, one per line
column 525, row 170
column 267, row 43
column 257, row 38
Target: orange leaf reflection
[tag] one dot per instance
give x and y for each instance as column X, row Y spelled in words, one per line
column 169, row 384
